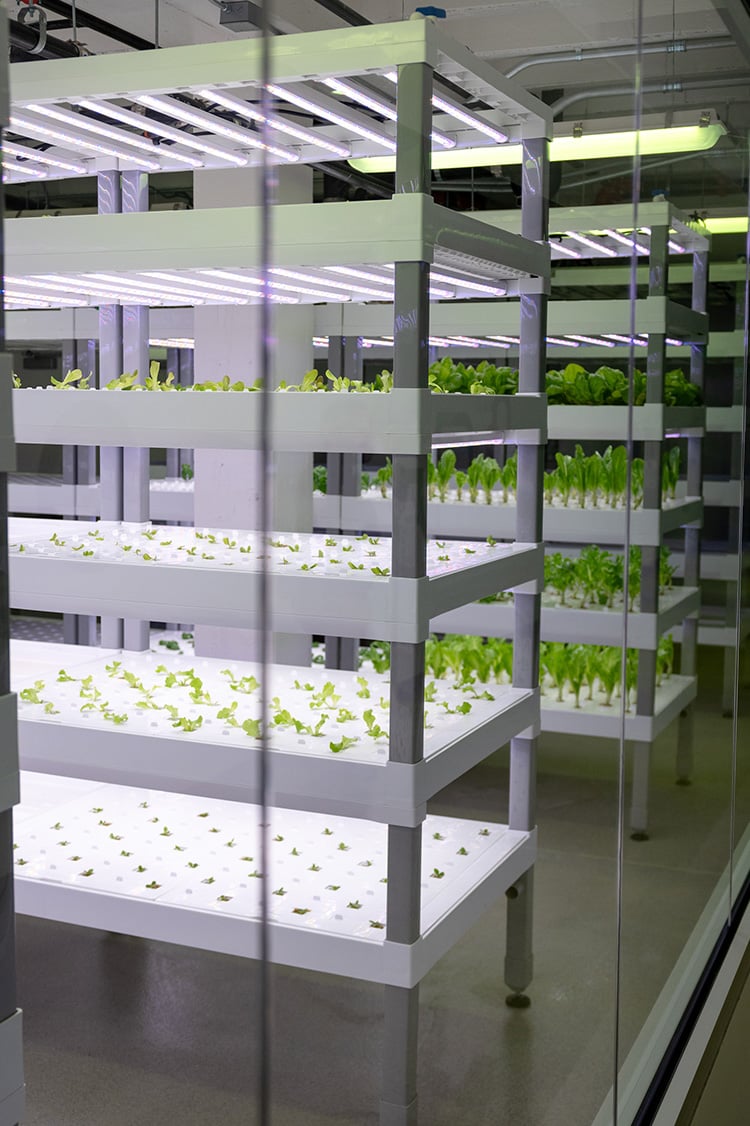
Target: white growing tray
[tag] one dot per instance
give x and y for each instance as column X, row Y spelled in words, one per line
column 222, row 761
column 573, row 524
column 399, row 421
column 225, row 588
column 592, row 718
column 97, row 823
column 594, row 626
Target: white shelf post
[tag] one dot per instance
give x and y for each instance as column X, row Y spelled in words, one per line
column 689, row 650
column 110, row 367
column 135, row 354
column 344, row 479
column 650, row 556
column 529, row 529
column 411, row 316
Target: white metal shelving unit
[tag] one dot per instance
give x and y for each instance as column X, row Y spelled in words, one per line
column 570, row 326
column 417, row 896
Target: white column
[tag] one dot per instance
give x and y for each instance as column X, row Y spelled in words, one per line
column 227, row 482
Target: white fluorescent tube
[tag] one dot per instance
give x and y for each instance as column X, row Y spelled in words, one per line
column 385, row 109
column 562, row 343
column 148, row 125
column 465, row 116
column 322, row 110
column 554, row 245
column 33, row 129
column 42, row 157
column 625, row 241
column 585, row 241
column 79, row 121
column 171, row 107
column 275, row 121
column 596, row 340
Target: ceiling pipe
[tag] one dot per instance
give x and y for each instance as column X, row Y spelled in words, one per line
column 582, row 55
column 344, row 12
column 25, row 38
column 96, row 23
column 671, row 87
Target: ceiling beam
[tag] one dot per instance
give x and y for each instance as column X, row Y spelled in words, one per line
column 736, row 16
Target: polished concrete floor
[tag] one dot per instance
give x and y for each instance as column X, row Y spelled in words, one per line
column 121, row 1032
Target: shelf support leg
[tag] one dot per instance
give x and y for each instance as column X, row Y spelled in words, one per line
column 110, row 367
column 344, row 480
column 689, row 653
column 411, row 323
column 135, row 460
column 519, row 960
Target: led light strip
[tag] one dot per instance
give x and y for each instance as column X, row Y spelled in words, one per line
column 97, row 293
column 326, row 294
column 173, row 342
column 42, row 157
column 505, row 341
column 639, row 341
column 14, row 166
column 385, row 109
column 199, row 283
column 22, row 298
column 244, row 109
column 671, row 244
column 168, row 132
column 230, row 276
column 34, row 129
column 79, row 121
column 186, row 291
column 674, row 343
column 563, row 343
column 599, row 246
column 365, row 275
column 336, row 118
column 597, row 340
column 349, row 287
column 624, row 241
column 171, row 107
column 466, row 117
column 473, row 341
column 465, row 283
column 564, row 249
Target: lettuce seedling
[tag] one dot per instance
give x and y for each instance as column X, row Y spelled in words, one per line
column 491, row 474
column 343, row 744
column 72, row 379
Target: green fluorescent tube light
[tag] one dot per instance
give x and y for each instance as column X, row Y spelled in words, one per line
column 726, row 225
column 590, row 146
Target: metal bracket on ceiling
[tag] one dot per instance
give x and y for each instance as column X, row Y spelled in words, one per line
column 35, row 16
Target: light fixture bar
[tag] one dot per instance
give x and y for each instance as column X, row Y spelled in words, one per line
column 171, row 107
column 597, row 340
column 465, row 116
column 563, row 343
column 348, row 287
column 168, row 132
column 173, row 342
column 674, row 343
column 637, row 340
column 473, row 341
column 231, row 276
column 505, row 341
column 199, row 283
column 14, row 166
column 320, row 108
column 275, row 121
column 631, row 243
column 34, row 129
column 671, row 244
column 41, row 157
column 365, row 275
column 554, row 245
column 586, row 241
column 385, row 109
column 185, row 290
column 461, row 282
column 79, row 121
column 11, row 294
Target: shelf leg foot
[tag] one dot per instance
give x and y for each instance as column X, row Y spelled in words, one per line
column 519, row 956
column 398, row 1105
column 639, row 794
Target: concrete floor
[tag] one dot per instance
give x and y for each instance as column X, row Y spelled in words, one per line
column 122, row 1032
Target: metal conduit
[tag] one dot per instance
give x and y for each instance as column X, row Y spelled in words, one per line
column 673, row 47
column 670, row 87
